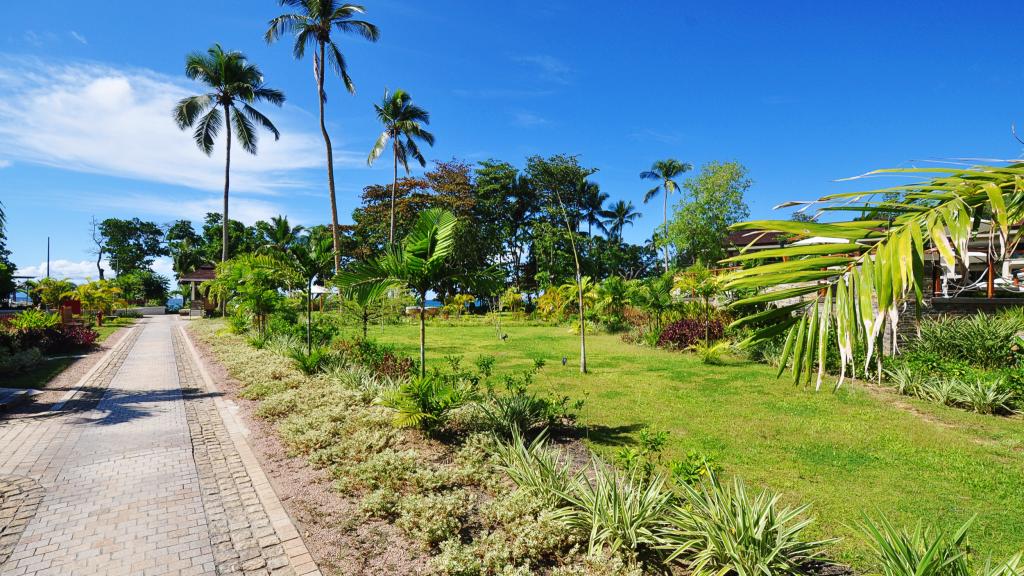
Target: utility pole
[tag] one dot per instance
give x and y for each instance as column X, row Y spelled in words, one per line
column 47, row 256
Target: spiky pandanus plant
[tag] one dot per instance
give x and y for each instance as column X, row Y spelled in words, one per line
column 848, row 280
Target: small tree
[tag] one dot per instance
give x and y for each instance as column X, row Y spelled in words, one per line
column 419, row 264
column 310, row 258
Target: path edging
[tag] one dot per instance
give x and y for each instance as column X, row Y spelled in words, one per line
column 95, row 368
column 294, row 547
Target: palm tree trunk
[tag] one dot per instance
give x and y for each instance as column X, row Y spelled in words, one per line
column 330, row 158
column 423, row 335
column 394, row 192
column 665, row 230
column 579, row 287
column 309, row 316
column 227, row 181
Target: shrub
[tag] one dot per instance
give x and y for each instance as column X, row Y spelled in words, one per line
column 693, row 469
column 379, row 358
column 315, row 361
column 905, row 379
column 682, row 334
column 70, row 338
column 426, row 402
column 518, row 411
column 712, row 353
column 624, row 515
column 535, row 467
column 434, row 518
column 943, row 391
column 922, row 552
column 722, row 529
column 984, row 397
column 984, row 341
column 13, row 362
column 34, row 320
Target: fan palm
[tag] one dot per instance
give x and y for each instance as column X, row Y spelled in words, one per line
column 853, row 290
column 665, row 172
column 312, row 24
column 419, row 264
column 403, row 125
column 617, row 217
column 234, row 85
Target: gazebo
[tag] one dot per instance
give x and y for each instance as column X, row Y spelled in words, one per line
column 198, row 301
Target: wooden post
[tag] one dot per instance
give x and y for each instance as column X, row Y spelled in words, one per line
column 991, row 292
column 936, row 281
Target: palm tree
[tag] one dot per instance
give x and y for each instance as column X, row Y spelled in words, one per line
column 280, row 234
column 312, row 25
column 665, row 172
column 617, row 217
column 853, row 291
column 419, row 264
column 233, row 81
column 592, row 205
column 403, row 124
column 310, row 257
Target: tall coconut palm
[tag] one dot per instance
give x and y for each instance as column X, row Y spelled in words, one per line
column 312, row 24
column 280, row 234
column 234, row 85
column 403, row 125
column 665, row 172
column 617, row 217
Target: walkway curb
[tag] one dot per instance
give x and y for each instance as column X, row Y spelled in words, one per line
column 298, row 555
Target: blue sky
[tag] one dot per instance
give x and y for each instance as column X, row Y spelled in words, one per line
column 802, row 93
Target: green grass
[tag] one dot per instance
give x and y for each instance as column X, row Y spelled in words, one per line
column 38, row 376
column 111, row 326
column 847, row 453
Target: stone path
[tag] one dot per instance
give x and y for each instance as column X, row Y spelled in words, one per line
column 144, row 471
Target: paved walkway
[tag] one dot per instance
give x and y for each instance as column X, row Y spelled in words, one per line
column 144, row 471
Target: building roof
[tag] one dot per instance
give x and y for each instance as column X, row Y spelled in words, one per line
column 201, row 274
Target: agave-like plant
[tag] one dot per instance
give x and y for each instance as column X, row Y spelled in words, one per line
column 985, row 397
column 848, row 280
column 425, row 402
column 723, row 529
column 923, row 551
column 536, row 467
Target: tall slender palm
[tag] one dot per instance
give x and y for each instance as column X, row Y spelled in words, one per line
column 280, row 234
column 235, row 85
column 617, row 217
column 665, row 172
column 403, row 125
column 312, row 25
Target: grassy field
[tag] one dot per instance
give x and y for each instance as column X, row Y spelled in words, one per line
column 111, row 326
column 853, row 452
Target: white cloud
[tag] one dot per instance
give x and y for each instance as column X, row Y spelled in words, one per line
column 79, row 271
column 98, row 119
column 528, row 119
column 85, row 270
column 79, row 37
column 5, row 163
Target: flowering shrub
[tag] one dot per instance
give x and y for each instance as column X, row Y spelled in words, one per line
column 380, row 359
column 684, row 333
column 55, row 339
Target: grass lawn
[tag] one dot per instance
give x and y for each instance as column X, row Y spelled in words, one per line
column 848, row 453
column 38, row 376
column 111, row 326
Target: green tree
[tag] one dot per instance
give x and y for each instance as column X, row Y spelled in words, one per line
column 700, row 223
column 234, row 85
column 419, row 264
column 312, row 23
column 592, row 203
column 852, row 292
column 253, row 282
column 403, row 124
column 6, row 266
column 185, row 247
column 244, row 239
column 51, row 293
column 665, row 172
column 616, row 218
column 131, row 244
column 507, row 207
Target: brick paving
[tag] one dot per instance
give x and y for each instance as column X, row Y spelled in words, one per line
column 140, row 474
